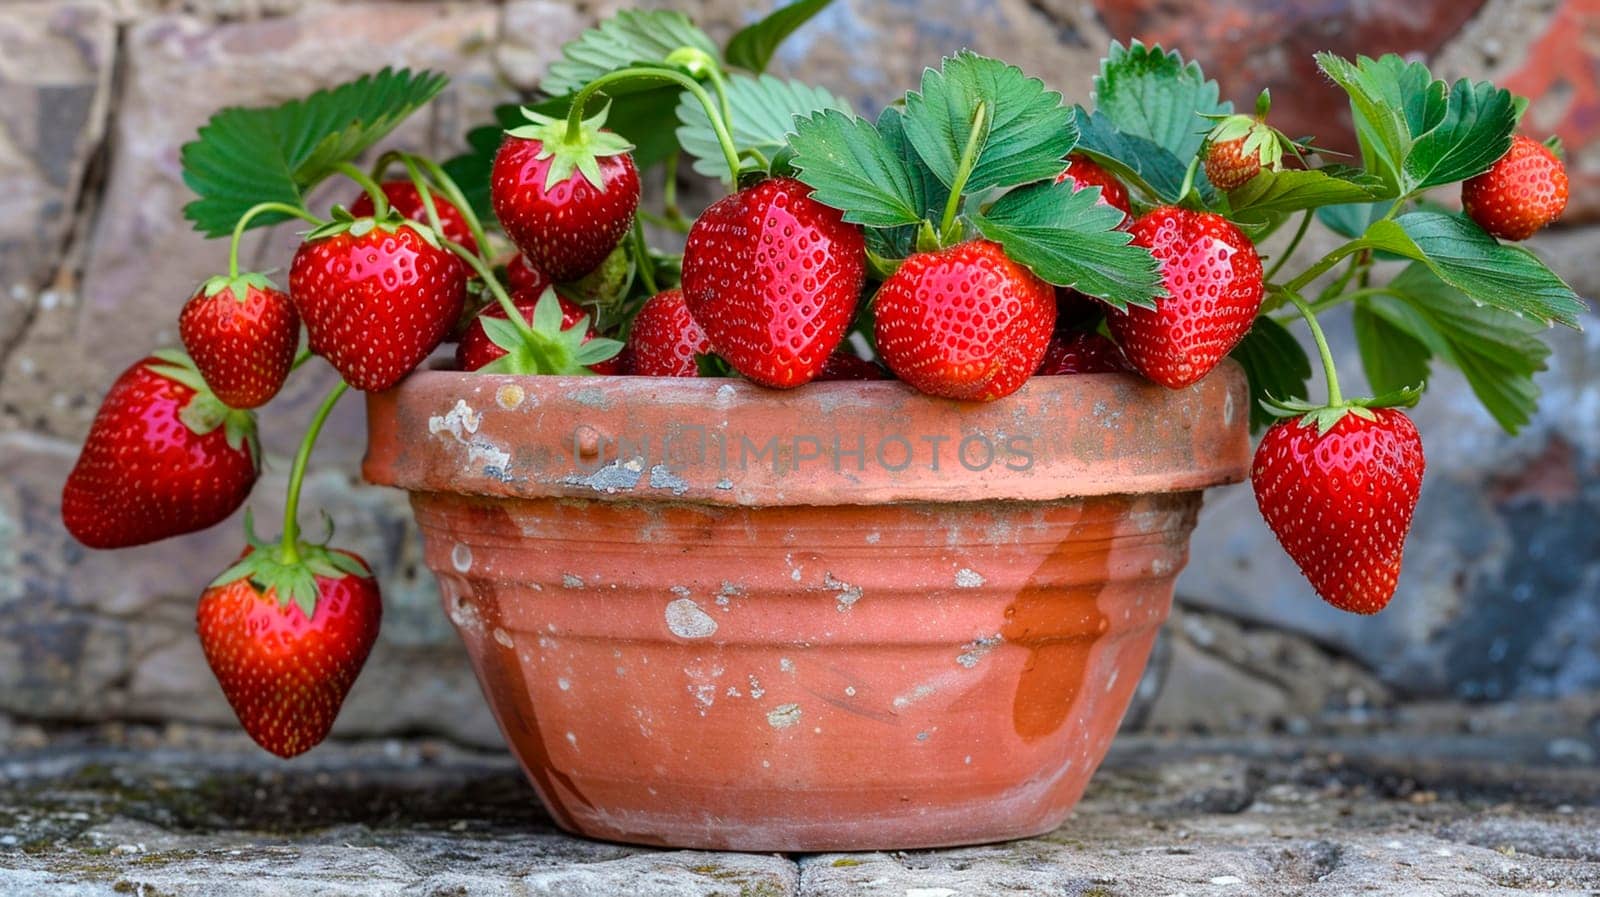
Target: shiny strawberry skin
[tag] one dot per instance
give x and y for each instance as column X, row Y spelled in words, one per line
column 404, row 198
column 522, row 276
column 964, row 322
column 1341, row 503
column 476, row 349
column 1085, row 173
column 143, row 475
column 1081, row 352
column 286, row 676
column 773, row 277
column 665, row 339
column 1520, row 194
column 1214, row 283
column 568, row 230
column 1227, row 166
column 244, row 349
column 376, row 305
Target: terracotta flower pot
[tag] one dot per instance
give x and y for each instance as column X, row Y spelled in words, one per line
column 712, row 615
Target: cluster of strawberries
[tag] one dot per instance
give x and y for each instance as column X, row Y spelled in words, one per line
column 773, row 281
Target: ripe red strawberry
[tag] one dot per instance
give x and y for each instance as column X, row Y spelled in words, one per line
column 164, row 457
column 404, row 198
column 1520, row 194
column 1229, row 166
column 844, row 365
column 1214, row 284
column 242, row 333
column 477, row 350
column 1085, row 173
column 1340, row 502
column 665, row 339
column 1081, row 352
column 773, row 278
column 286, row 641
column 964, row 322
column 521, row 276
column 566, row 206
column 376, row 298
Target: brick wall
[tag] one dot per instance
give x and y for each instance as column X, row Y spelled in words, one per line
column 1499, row 598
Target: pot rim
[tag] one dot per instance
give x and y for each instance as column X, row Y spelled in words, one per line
column 719, row 441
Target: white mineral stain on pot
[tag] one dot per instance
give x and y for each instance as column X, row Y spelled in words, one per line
column 564, row 684
column 572, row 580
column 572, row 739
column 461, row 558
column 1227, row 409
column 509, row 396
column 969, row 579
column 874, row 537
column 1111, row 680
column 850, row 690
column 464, row 614
column 725, row 393
column 848, row 594
column 977, row 648
column 680, row 591
column 786, row 664
column 687, row 620
column 503, row 637
column 756, row 691
column 460, row 421
column 783, row 716
column 662, row 477
column 728, row 591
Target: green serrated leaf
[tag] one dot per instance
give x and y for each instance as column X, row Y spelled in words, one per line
column 1490, row 273
column 1476, row 130
column 1294, row 190
column 628, row 37
column 1025, row 137
column 1352, row 220
column 927, row 194
column 1153, row 94
column 764, row 111
column 244, row 156
column 850, row 167
column 1069, row 238
column 1276, row 366
column 752, row 46
column 1498, row 352
column 1391, row 357
column 1138, row 161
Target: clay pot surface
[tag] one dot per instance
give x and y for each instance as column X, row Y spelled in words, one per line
column 845, row 617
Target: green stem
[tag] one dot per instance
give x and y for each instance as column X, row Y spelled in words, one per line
column 1188, row 179
column 259, row 209
column 969, row 158
column 289, row 543
column 669, row 187
column 492, row 283
column 302, row 357
column 380, row 202
column 1335, row 395
column 720, row 85
column 1322, row 266
column 425, row 192
column 1294, row 243
column 641, row 258
column 452, row 191
column 718, row 123
column 678, row 225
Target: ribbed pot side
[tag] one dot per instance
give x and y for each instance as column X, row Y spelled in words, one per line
column 711, row 615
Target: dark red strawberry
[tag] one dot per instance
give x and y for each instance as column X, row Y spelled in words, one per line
column 665, row 339
column 242, row 333
column 476, row 349
column 287, row 639
column 965, row 322
column 376, row 297
column 844, row 365
column 1081, row 352
column 404, row 198
column 773, row 278
column 164, row 457
column 1214, row 283
column 1340, row 502
column 565, row 205
column 523, row 277
column 1520, row 194
column 1085, row 173
column 1077, row 311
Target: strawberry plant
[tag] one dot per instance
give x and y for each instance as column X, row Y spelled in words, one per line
column 978, row 231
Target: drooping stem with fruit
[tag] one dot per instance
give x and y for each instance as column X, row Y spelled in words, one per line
column 243, row 224
column 289, row 542
column 380, row 200
column 1335, row 394
column 575, row 130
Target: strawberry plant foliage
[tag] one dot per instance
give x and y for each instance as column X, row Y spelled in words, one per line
column 764, row 110
column 752, row 47
column 631, row 36
column 246, row 156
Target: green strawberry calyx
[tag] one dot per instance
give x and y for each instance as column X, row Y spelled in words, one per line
column 391, row 222
column 544, row 347
column 572, row 150
column 239, row 284
column 204, row 412
column 1324, row 417
column 291, row 581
